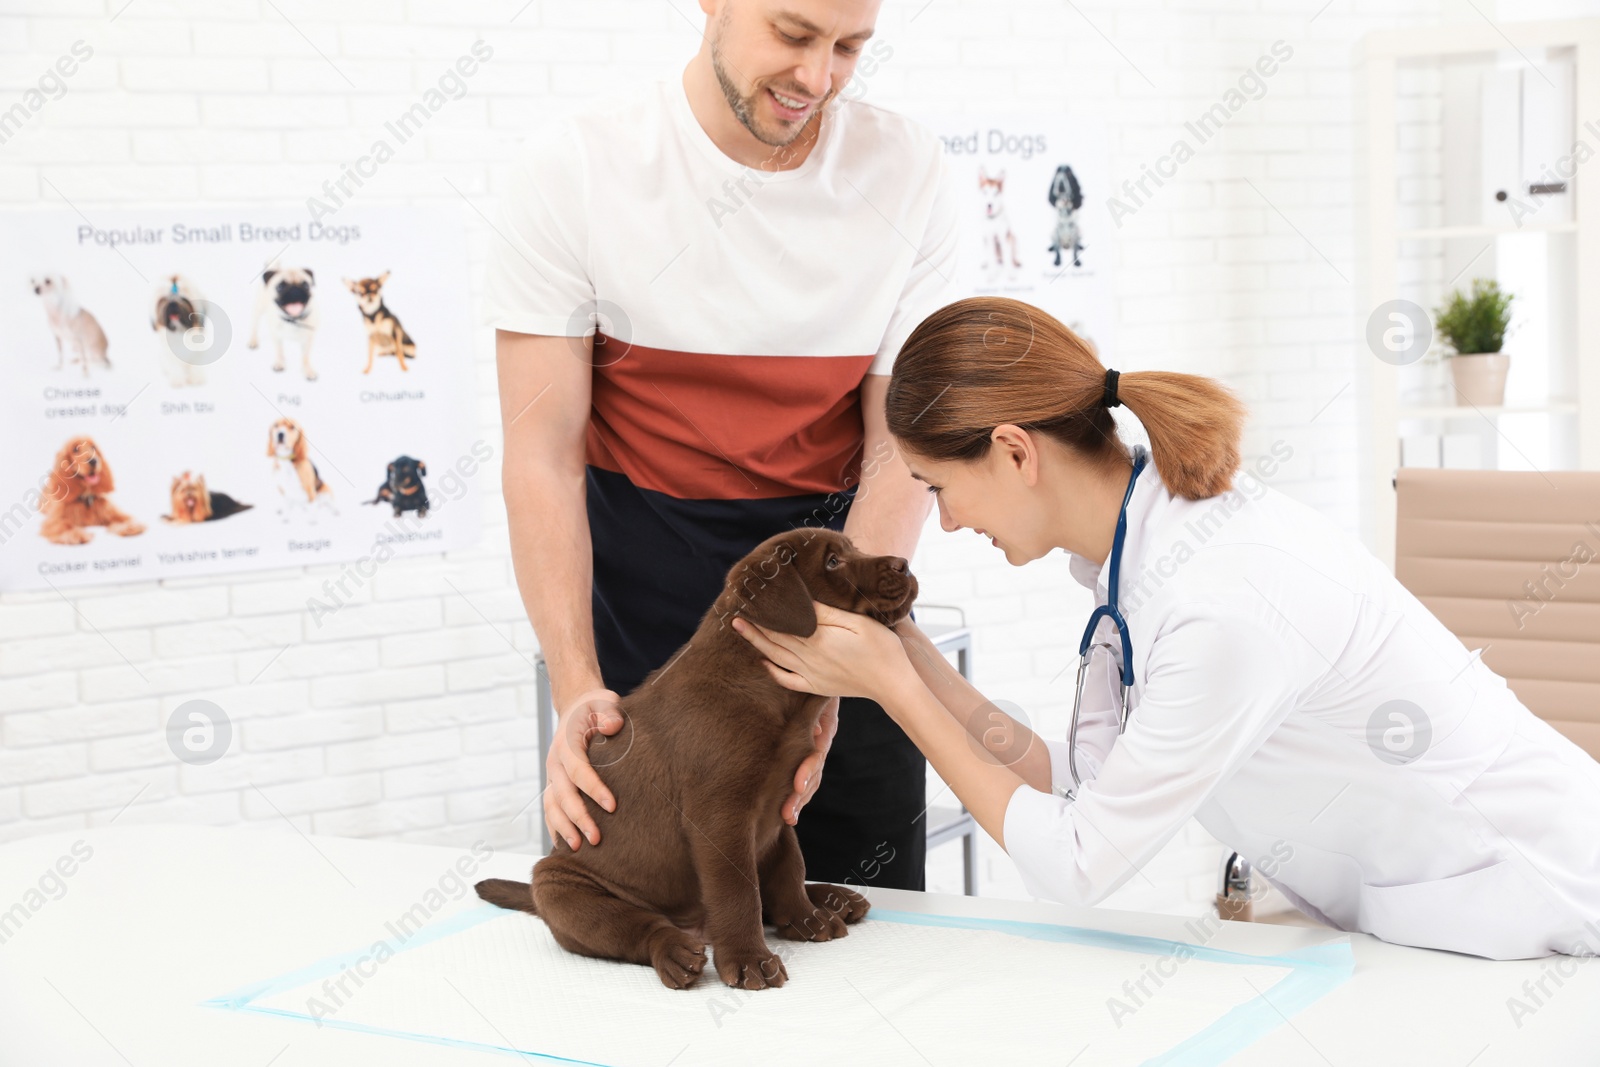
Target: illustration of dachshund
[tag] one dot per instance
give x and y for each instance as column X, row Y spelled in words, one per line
column 1066, row 196
column 192, row 502
column 385, row 335
column 403, row 488
column 301, row 489
column 77, row 497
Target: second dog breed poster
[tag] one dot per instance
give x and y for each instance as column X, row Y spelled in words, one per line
column 1033, row 191
column 196, row 391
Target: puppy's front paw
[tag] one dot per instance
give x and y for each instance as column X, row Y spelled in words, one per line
column 817, row 924
column 846, row 903
column 755, row 969
column 678, row 959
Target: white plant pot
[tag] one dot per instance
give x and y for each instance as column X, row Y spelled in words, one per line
column 1480, row 378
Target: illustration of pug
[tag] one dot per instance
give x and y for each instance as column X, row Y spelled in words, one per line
column 193, row 502
column 385, row 335
column 176, row 308
column 71, row 323
column 287, row 297
column 402, row 488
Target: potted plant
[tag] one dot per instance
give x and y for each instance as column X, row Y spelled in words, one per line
column 1475, row 326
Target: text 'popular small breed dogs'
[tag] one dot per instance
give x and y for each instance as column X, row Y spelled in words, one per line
column 287, row 296
column 385, row 335
column 78, row 496
column 301, row 490
column 697, row 849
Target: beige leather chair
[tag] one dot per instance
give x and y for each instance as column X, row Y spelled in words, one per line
column 1510, row 562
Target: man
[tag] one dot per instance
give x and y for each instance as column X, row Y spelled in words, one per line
column 699, row 288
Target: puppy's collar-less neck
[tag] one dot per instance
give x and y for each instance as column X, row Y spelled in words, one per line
column 372, row 315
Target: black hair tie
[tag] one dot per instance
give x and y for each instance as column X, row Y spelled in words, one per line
column 1110, row 398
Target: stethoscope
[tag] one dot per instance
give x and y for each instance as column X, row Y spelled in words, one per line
column 1108, row 610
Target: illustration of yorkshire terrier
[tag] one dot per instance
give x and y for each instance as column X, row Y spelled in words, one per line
column 385, row 335
column 403, row 488
column 77, row 497
column 193, row 502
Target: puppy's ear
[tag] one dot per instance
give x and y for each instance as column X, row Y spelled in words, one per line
column 267, row 275
column 311, row 274
column 780, row 602
column 299, row 453
column 383, row 279
column 108, row 481
column 57, row 488
column 422, row 468
column 352, row 286
column 271, row 451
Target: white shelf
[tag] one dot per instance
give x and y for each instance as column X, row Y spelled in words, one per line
column 1429, row 232
column 1465, row 411
column 1574, row 420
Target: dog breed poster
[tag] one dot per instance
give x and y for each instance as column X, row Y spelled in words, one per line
column 203, row 391
column 1035, row 226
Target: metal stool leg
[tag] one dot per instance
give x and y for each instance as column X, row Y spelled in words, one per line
column 1233, row 896
column 546, row 712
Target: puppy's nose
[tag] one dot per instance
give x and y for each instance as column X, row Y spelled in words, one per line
column 897, row 564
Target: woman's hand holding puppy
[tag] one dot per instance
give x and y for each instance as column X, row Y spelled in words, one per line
column 849, row 655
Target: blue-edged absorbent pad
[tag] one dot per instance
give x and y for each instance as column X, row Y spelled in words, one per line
column 903, row 987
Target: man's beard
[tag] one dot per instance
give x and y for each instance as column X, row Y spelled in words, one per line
column 744, row 108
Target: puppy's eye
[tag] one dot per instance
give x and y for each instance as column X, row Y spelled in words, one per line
column 833, row 561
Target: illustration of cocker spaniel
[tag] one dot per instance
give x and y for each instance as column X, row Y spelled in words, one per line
column 77, row 496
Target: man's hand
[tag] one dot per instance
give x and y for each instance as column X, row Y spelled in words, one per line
column 567, row 768
column 809, row 776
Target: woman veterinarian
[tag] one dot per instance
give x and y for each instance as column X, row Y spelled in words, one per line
column 1270, row 653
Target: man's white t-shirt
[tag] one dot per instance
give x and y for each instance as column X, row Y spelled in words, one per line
column 749, row 304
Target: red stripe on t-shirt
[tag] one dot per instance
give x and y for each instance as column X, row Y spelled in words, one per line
column 704, row 426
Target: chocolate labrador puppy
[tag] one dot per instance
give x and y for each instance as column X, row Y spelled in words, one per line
column 697, row 849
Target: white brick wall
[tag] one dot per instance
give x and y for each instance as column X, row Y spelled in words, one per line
column 409, row 714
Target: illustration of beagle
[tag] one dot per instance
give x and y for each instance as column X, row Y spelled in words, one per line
column 77, row 497
column 385, row 335
column 301, row 489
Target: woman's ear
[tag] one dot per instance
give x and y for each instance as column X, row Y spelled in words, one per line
column 781, row 603
column 1018, row 449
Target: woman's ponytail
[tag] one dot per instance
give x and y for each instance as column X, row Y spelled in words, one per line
column 1194, row 425
column 983, row 361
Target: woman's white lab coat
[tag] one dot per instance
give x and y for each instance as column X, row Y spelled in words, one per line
column 1294, row 698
